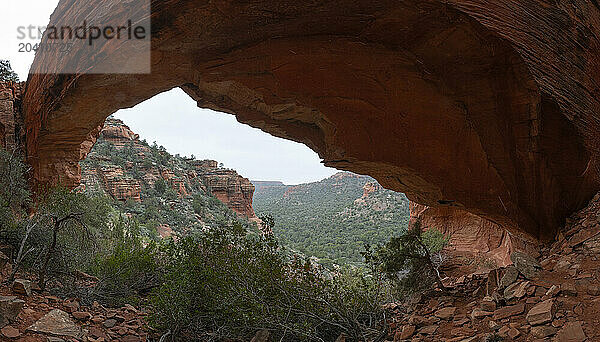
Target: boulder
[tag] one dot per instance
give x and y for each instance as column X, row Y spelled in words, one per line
column 510, row 276
column 10, row 307
column 445, row 313
column 542, row 331
column 527, row 265
column 509, row 311
column 10, row 332
column 57, row 323
column 568, row 289
column 542, row 313
column 22, row 287
column 571, row 332
column 516, row 290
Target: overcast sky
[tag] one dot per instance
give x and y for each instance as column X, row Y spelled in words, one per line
column 173, row 120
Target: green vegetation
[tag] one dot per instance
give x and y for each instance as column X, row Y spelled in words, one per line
column 411, row 261
column 224, row 281
column 329, row 220
column 161, row 203
column 6, row 72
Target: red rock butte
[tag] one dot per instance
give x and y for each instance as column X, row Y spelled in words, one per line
column 479, row 105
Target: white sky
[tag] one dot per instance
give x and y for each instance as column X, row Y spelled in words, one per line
column 173, row 120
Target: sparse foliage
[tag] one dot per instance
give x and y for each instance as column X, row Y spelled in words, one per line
column 412, row 260
column 6, row 72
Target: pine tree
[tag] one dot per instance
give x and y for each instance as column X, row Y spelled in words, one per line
column 6, row 72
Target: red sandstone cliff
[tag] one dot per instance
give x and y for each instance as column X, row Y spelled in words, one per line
column 226, row 185
column 231, row 189
column 470, row 236
column 11, row 120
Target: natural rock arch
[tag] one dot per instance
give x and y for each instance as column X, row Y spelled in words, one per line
column 484, row 106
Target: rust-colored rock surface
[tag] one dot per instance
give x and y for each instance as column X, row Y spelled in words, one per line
column 232, row 189
column 470, row 235
column 122, row 183
column 11, row 120
column 490, row 106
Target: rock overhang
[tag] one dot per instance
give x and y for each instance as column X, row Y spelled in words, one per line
column 456, row 103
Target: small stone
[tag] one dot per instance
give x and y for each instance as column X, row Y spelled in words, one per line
column 542, row 313
column 571, row 332
column 71, row 305
column 478, row 314
column 428, row 330
column 445, row 313
column 54, row 339
column 593, row 290
column 22, row 287
column 261, row 336
column 488, row 304
column 562, row 265
column 503, row 331
column 10, row 332
column 493, row 325
column 510, row 276
column 568, row 289
column 516, row 290
column 109, row 323
column 553, row 291
column 557, row 323
column 10, row 307
column 416, row 320
column 513, row 333
column 543, row 331
column 407, row 331
column 82, row 315
column 462, row 331
column 131, row 308
column 509, row 311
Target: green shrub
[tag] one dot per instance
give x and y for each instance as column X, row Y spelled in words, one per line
column 6, row 72
column 412, row 260
column 126, row 268
column 14, row 191
column 225, row 283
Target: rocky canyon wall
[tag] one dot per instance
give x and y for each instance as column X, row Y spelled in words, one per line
column 471, row 236
column 11, row 118
column 123, row 183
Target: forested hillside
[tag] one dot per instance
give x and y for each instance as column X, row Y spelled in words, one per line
column 165, row 194
column 332, row 219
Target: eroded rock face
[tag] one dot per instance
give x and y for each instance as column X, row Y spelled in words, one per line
column 11, row 120
column 469, row 234
column 461, row 102
column 232, row 189
column 122, row 183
